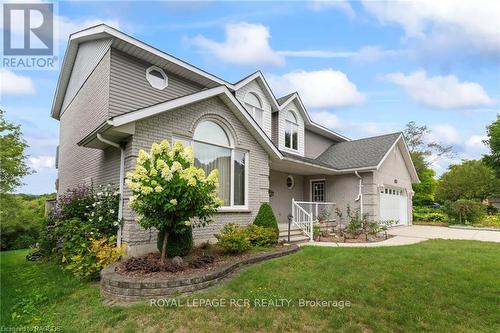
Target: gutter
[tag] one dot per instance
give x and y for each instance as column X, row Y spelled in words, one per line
column 121, row 179
column 360, row 194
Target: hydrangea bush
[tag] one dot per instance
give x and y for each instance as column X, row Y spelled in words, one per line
column 169, row 191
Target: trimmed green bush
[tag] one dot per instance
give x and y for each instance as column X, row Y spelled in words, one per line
column 233, row 239
column 266, row 218
column 260, row 236
column 465, row 211
column 178, row 244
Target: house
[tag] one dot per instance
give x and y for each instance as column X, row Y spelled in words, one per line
column 117, row 95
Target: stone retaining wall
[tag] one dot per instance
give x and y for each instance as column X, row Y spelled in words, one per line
column 117, row 288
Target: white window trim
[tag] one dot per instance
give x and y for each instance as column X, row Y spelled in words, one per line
column 156, row 68
column 293, row 182
column 310, row 188
column 287, row 122
column 232, row 207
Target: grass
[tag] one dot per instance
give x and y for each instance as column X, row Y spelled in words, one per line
column 438, row 286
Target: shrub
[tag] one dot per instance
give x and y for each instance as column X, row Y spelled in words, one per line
column 74, row 203
column 491, row 221
column 179, row 243
column 91, row 256
column 491, row 210
column 266, row 218
column 465, row 211
column 233, row 239
column 260, row 236
column 81, row 231
column 425, row 214
column 169, row 190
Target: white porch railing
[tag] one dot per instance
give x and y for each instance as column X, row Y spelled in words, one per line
column 306, row 213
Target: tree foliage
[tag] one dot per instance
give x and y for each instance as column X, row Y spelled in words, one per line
column 22, row 218
column 421, row 151
column 493, row 141
column 472, row 180
column 168, row 190
column 13, row 161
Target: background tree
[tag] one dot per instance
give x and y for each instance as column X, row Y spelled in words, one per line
column 493, row 141
column 472, row 180
column 169, row 190
column 423, row 153
column 13, row 161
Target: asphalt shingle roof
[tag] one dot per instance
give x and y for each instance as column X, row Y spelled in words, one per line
column 283, row 99
column 360, row 153
column 353, row 154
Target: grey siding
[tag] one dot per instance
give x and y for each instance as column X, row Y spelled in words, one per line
column 89, row 55
column 130, row 90
column 281, row 199
column 394, row 173
column 315, row 144
column 282, row 126
column 254, row 87
column 183, row 121
column 87, row 111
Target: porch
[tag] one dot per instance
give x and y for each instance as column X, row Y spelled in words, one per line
column 304, row 199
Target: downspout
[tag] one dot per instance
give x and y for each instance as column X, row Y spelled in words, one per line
column 360, row 193
column 122, row 172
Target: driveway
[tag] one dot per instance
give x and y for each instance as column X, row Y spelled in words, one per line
column 419, row 233
column 431, row 232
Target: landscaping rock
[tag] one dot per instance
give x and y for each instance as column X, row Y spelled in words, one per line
column 177, row 261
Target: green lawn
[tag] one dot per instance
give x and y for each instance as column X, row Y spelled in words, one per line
column 438, row 286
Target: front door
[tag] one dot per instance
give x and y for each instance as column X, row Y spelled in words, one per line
column 318, row 191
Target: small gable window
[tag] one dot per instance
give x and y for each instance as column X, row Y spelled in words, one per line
column 254, row 107
column 291, row 130
column 156, row 77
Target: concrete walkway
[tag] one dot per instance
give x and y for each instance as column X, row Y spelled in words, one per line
column 419, row 233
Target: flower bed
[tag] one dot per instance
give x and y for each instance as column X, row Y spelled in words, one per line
column 119, row 286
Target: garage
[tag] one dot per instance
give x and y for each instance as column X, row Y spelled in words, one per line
column 393, row 205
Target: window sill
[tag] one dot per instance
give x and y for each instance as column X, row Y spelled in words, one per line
column 293, row 151
column 233, row 210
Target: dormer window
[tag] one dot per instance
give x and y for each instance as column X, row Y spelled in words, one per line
column 156, row 77
column 254, row 107
column 291, row 130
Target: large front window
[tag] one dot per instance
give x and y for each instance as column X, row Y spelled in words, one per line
column 291, row 131
column 213, row 150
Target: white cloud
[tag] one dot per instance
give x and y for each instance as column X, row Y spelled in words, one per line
column 67, row 26
column 317, row 54
column 372, row 53
column 14, row 84
column 476, row 143
column 444, row 134
column 42, row 162
column 353, row 129
column 246, row 44
column 327, row 119
column 470, row 25
column 341, row 5
column 445, row 92
column 318, row 89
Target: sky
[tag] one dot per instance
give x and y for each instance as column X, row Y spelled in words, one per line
column 362, row 68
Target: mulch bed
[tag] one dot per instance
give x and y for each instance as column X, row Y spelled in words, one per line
column 202, row 258
column 353, row 239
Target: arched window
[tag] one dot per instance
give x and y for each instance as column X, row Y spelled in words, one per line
column 291, row 130
column 254, row 107
column 213, row 149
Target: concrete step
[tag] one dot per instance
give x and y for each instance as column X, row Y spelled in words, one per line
column 295, row 232
column 296, row 239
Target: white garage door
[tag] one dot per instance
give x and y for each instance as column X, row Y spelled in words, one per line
column 393, row 205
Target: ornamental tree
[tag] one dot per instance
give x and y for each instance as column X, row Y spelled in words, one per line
column 169, row 191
